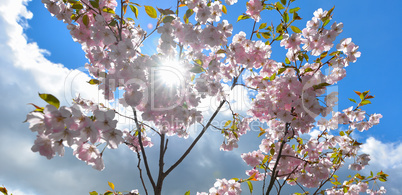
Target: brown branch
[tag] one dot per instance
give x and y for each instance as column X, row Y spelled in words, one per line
column 274, row 172
column 196, row 140
column 139, row 168
column 142, row 149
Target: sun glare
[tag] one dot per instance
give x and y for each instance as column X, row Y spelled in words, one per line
column 171, row 73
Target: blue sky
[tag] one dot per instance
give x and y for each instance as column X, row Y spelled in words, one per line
column 38, row 55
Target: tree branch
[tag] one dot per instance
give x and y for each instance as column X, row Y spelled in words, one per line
column 142, row 149
column 196, row 139
column 274, row 172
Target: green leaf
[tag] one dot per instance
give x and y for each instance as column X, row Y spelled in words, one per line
column 168, row 19
column 287, row 61
column 295, row 29
column 272, row 151
column 134, row 10
column 85, row 20
column 262, row 26
column 296, row 16
column 150, row 11
column 320, row 86
column 323, row 55
column 293, row 10
column 77, row 5
column 286, row 17
column 243, row 17
column 93, row 193
column 352, row 100
column 187, row 193
column 341, row 133
column 305, row 57
column 108, row 10
column 272, row 77
column 330, row 11
column 250, row 187
column 308, row 70
column 198, row 61
column 326, row 21
column 197, row 69
column 283, row 2
column 365, row 102
column 224, row 10
column 279, row 38
column 366, row 92
column 279, row 28
column 281, row 70
column 279, row 6
column 227, row 123
column 95, row 4
column 266, row 35
column 188, row 14
column 335, row 53
column 50, row 99
column 108, row 193
column 94, row 82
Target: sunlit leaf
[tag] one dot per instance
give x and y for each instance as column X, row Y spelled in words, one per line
column 150, row 11
column 243, row 17
column 295, row 29
column 197, row 69
column 352, row 100
column 93, row 193
column 108, row 10
column 262, row 26
column 227, row 123
column 134, row 10
column 293, row 10
column 279, row 6
column 250, row 187
column 50, row 99
column 365, row 102
column 111, row 185
column 224, row 10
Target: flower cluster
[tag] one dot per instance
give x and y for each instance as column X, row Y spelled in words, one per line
column 70, row 127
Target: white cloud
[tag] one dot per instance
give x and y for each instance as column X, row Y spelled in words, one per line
column 385, row 157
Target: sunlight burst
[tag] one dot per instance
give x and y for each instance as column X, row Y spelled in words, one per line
column 171, row 73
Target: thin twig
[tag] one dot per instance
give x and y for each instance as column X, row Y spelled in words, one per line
column 139, row 168
column 141, row 123
column 196, row 139
column 142, row 150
